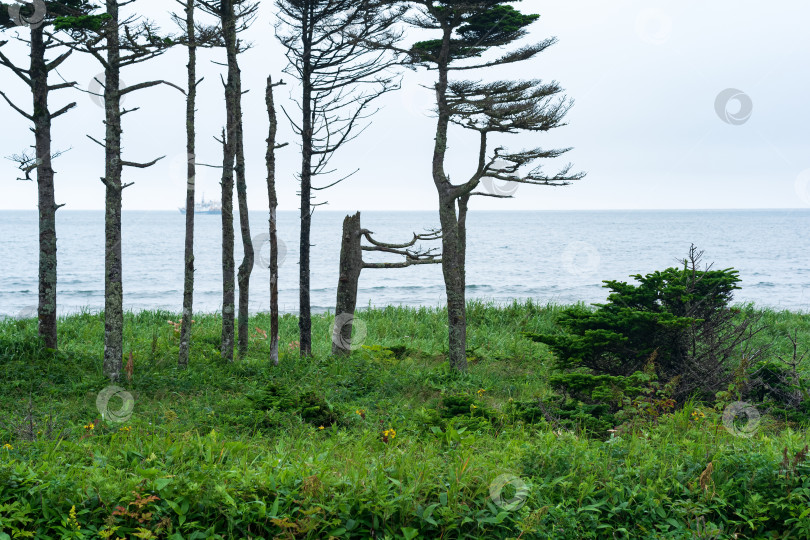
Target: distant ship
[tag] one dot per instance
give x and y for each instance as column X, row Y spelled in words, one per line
column 205, row 207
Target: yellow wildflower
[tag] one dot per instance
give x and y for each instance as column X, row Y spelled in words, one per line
column 8, row 447
column 481, row 391
column 90, row 426
column 320, row 427
column 72, row 521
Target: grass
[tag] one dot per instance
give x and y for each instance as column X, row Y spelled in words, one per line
column 387, row 443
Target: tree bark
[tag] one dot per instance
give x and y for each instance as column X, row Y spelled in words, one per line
column 273, row 201
column 45, row 187
column 113, row 285
column 351, row 264
column 191, row 173
column 453, row 255
column 304, row 311
column 248, row 258
column 229, row 156
column 453, row 230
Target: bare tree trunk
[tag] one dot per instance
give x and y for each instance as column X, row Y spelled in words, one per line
column 228, row 264
column 454, row 282
column 191, row 103
column 304, row 311
column 113, row 285
column 229, row 156
column 248, row 258
column 45, row 184
column 351, row 264
column 273, row 199
column 453, row 234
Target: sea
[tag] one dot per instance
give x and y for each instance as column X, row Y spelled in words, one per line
column 559, row 257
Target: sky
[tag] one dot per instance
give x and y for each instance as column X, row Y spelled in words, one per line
column 677, row 105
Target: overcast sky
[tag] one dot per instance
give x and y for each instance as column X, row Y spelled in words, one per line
column 647, row 125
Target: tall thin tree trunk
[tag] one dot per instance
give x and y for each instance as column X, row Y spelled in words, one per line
column 228, row 264
column 229, row 156
column 454, row 282
column 304, row 311
column 453, row 230
column 113, row 285
column 351, row 264
column 273, row 199
column 191, row 173
column 248, row 258
column 45, row 184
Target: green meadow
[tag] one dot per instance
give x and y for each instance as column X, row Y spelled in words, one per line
column 387, row 443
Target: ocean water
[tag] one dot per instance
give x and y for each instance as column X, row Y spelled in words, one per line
column 558, row 256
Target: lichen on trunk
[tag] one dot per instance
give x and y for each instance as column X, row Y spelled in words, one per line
column 351, row 264
column 191, row 173
column 45, row 190
column 248, row 257
column 113, row 269
column 272, row 197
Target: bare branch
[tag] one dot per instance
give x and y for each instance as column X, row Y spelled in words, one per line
column 404, row 264
column 344, row 72
column 101, row 144
column 417, row 256
column 141, row 165
column 63, row 110
column 13, row 106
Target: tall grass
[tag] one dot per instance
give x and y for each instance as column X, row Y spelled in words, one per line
column 201, row 457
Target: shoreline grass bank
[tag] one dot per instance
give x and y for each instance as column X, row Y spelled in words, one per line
column 388, row 443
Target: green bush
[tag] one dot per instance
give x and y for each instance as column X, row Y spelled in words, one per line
column 682, row 315
column 312, row 406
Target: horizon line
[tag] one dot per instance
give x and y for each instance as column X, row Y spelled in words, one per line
column 435, row 210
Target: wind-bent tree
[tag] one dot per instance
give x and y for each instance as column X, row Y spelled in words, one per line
column 194, row 36
column 340, row 76
column 351, row 264
column 272, row 146
column 116, row 42
column 468, row 30
column 40, row 17
column 235, row 16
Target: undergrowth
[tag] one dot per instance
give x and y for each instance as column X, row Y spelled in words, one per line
column 387, row 443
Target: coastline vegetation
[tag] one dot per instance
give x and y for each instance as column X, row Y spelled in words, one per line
column 389, row 442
